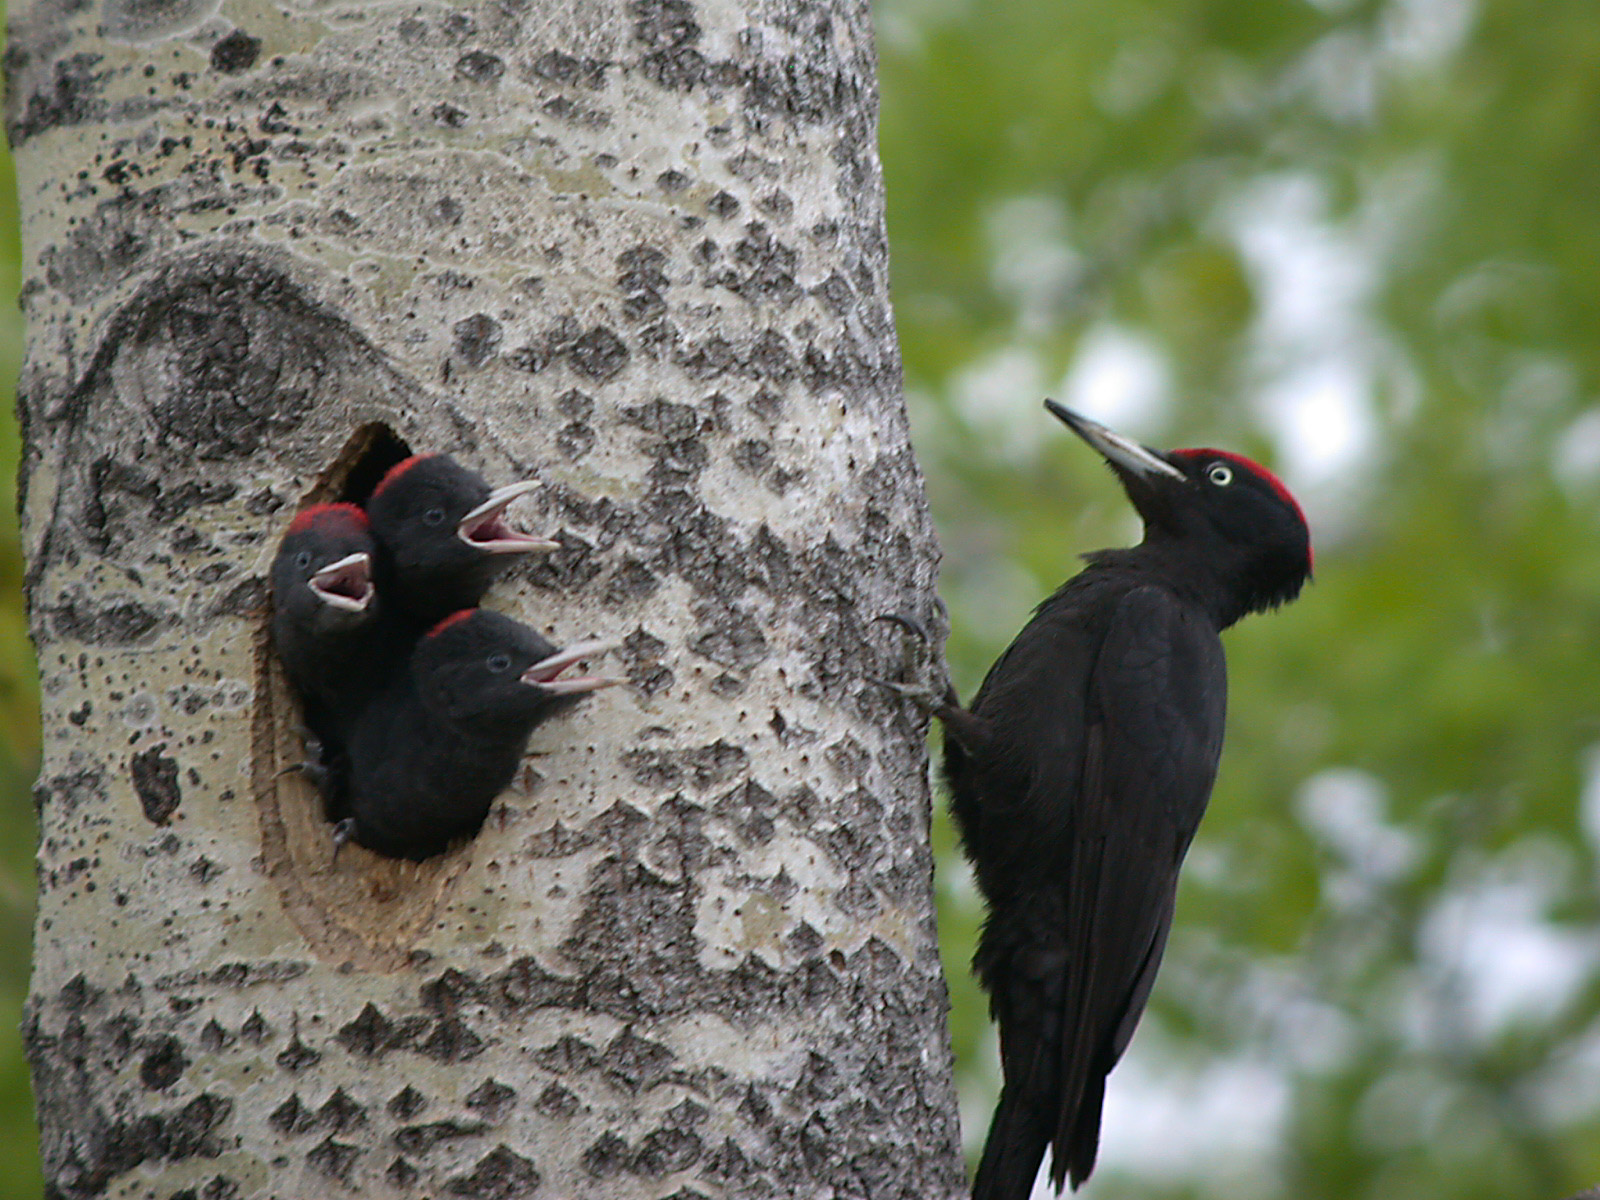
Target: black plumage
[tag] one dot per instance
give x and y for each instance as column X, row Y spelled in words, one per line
column 326, row 621
column 432, row 751
column 1079, row 773
column 442, row 537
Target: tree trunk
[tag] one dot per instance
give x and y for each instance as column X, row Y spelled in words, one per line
column 636, row 250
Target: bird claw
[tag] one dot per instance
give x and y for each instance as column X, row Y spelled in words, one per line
column 931, row 690
column 343, row 831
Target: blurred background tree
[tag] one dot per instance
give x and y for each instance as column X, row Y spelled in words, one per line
column 1359, row 240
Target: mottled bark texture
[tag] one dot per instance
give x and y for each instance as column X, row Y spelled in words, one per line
column 635, row 248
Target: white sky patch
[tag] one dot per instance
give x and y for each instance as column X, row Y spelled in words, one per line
column 1320, row 417
column 1589, row 797
column 1426, row 33
column 1346, row 810
column 1002, row 396
column 1314, row 343
column 1498, row 959
column 1220, row 1121
column 1567, row 1091
column 1576, row 458
column 1121, row 379
column 1032, row 261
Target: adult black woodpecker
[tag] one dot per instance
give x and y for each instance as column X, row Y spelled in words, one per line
column 325, row 622
column 442, row 536
column 432, row 751
column 1079, row 773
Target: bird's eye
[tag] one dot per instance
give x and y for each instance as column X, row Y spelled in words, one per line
column 303, row 559
column 1220, row 474
column 434, row 516
column 499, row 663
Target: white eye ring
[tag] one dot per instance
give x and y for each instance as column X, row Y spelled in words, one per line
column 1220, row 474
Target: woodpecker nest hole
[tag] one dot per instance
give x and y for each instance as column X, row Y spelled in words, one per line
column 359, row 908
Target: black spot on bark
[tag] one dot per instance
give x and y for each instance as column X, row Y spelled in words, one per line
column 419, row 1139
column 291, row 1117
column 663, row 1151
column 297, row 1056
column 491, row 1098
column 340, row 1113
column 477, row 338
column 724, row 205
column 69, row 96
column 163, row 1064
column 372, row 1034
column 236, row 52
column 479, row 66
column 452, row 989
column 115, row 624
column 255, row 1029
column 448, row 115
column 451, row 1041
column 525, row 985
column 598, row 354
column 607, row 1158
column 334, row 1159
column 632, row 580
column 556, row 1101
column 78, row 994
column 402, row 1174
column 70, row 791
column 502, row 1174
column 155, row 780
column 407, row 1103
column 575, row 439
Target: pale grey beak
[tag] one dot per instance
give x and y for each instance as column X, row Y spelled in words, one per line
column 543, row 673
column 346, row 584
column 1118, row 450
column 485, row 527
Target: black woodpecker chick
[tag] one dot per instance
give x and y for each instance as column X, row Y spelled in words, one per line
column 442, row 536
column 325, row 615
column 1079, row 773
column 430, row 754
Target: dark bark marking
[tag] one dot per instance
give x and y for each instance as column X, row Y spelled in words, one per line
column 477, row 338
column 481, row 67
column 119, row 623
column 407, row 1103
column 418, row 1140
column 69, row 95
column 502, row 1174
column 598, row 355
column 334, row 1159
column 451, row 1041
column 556, row 1102
column 663, row 1151
column 155, row 779
column 491, row 1098
column 163, row 1064
column 234, row 53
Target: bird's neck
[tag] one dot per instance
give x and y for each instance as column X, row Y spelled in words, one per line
column 1213, row 587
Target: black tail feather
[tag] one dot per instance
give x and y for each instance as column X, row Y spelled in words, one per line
column 1013, row 1151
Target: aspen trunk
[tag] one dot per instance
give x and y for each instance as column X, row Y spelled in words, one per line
column 634, row 249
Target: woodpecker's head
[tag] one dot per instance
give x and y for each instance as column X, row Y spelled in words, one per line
column 494, row 676
column 323, row 569
column 1219, row 513
column 434, row 516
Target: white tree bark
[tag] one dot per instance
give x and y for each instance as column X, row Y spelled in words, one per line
column 636, row 248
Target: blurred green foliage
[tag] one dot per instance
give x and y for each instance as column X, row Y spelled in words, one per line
column 19, row 747
column 1356, row 239
column 1359, row 239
